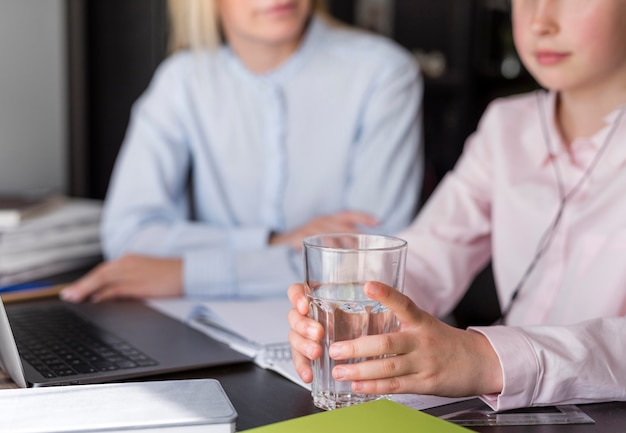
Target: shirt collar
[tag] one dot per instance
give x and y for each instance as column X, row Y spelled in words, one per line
column 555, row 148
column 312, row 37
column 550, row 143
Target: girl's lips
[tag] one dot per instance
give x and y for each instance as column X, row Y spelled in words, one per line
column 547, row 58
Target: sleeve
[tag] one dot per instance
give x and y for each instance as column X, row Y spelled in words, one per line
column 147, row 211
column 450, row 240
column 552, row 365
column 146, row 193
column 388, row 158
column 265, row 271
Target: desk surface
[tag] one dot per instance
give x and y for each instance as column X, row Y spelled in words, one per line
column 264, row 397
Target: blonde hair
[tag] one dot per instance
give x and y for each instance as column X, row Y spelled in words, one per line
column 194, row 24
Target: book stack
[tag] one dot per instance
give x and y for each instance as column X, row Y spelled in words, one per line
column 47, row 236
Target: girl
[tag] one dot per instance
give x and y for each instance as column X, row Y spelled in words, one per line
column 540, row 190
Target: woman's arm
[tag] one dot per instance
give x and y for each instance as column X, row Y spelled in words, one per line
column 388, row 156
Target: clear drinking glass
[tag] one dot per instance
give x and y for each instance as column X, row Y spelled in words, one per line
column 337, row 266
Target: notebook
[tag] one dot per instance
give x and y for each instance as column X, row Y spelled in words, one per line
column 371, row 417
column 101, row 342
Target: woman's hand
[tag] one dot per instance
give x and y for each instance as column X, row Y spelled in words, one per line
column 342, row 222
column 427, row 356
column 131, row 276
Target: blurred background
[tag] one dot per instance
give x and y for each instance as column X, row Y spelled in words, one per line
column 71, row 70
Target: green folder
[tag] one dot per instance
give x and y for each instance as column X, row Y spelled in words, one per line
column 375, row 416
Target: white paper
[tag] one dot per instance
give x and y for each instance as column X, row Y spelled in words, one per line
column 177, row 308
column 263, row 321
column 421, row 402
column 11, row 263
column 46, row 239
column 46, row 269
column 72, row 212
column 66, row 232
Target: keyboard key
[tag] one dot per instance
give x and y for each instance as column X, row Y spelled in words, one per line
column 57, row 342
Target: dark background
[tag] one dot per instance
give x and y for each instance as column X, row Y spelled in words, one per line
column 115, row 45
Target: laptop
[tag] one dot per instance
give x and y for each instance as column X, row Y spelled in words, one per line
column 103, row 342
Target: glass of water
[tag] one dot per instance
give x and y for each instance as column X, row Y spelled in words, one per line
column 337, row 266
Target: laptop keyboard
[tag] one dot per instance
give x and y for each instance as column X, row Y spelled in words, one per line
column 58, row 342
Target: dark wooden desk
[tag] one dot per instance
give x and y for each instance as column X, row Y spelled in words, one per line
column 264, row 397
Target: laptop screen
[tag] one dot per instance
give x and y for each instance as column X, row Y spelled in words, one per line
column 9, row 356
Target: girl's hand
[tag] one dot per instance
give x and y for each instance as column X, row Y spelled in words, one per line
column 304, row 333
column 429, row 357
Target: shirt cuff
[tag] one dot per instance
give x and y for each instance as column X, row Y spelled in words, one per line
column 520, row 367
column 248, row 239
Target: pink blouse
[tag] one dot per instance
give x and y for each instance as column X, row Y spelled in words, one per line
column 566, row 334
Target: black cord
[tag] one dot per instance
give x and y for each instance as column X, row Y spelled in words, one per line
column 548, row 235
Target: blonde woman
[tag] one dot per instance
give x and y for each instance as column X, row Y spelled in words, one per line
column 287, row 125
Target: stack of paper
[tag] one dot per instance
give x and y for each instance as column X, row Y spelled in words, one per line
column 14, row 209
column 64, row 237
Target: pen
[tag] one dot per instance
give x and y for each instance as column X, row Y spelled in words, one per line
column 25, row 286
column 27, row 291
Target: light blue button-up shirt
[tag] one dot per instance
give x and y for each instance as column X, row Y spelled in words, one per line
column 336, row 127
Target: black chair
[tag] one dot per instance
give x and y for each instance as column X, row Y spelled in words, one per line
column 480, row 304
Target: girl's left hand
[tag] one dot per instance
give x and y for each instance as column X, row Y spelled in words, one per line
column 429, row 356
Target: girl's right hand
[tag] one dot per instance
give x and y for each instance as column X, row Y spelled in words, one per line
column 304, row 334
